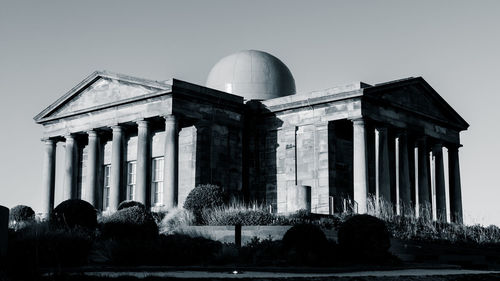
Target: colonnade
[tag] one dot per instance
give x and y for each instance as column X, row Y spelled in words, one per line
column 409, row 172
column 170, row 179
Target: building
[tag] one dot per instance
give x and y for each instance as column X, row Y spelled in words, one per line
column 249, row 132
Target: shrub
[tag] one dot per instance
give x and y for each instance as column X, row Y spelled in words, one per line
column 265, row 252
column 305, row 244
column 130, row 223
column 237, row 214
column 74, row 212
column 174, row 219
column 205, row 196
column 130, row 203
column 364, row 236
column 40, row 245
column 21, row 213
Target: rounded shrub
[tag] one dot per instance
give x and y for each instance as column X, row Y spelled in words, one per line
column 364, row 236
column 305, row 244
column 130, row 203
column 130, row 223
column 74, row 212
column 21, row 213
column 205, row 196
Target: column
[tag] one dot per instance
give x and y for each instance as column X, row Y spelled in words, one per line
column 384, row 170
column 424, row 181
column 437, row 152
column 143, row 162
column 170, row 178
column 48, row 176
column 360, row 176
column 69, row 187
column 455, row 188
column 116, row 167
column 404, row 175
column 92, row 168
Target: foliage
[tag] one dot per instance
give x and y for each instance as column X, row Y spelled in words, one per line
column 237, row 214
column 174, row 219
column 364, row 236
column 129, row 223
column 205, row 196
column 263, row 252
column 305, row 244
column 39, row 245
column 74, row 212
column 130, row 203
column 21, row 213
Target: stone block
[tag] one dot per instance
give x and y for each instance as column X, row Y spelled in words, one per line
column 298, row 198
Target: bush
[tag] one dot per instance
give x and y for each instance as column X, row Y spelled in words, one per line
column 40, row 245
column 174, row 219
column 205, row 196
column 21, row 213
column 130, row 223
column 364, row 236
column 305, row 244
column 130, row 203
column 74, row 212
column 237, row 214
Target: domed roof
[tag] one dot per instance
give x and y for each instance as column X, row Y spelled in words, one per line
column 252, row 75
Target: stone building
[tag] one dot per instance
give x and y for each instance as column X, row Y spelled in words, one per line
column 247, row 130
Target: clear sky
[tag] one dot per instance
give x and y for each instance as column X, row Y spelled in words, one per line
column 47, row 47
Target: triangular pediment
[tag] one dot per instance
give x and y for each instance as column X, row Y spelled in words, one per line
column 98, row 90
column 416, row 95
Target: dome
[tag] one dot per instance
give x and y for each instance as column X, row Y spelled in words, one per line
column 252, row 75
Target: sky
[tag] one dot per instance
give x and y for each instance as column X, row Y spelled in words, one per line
column 47, row 47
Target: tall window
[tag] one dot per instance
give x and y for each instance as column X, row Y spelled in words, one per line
column 157, row 184
column 82, row 173
column 131, row 168
column 107, row 173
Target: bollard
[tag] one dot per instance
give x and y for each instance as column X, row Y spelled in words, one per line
column 4, row 231
column 237, row 235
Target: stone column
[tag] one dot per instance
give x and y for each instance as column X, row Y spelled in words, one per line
column 92, row 168
column 404, row 175
column 69, row 188
column 49, row 176
column 116, row 168
column 424, row 181
column 170, row 178
column 143, row 162
column 437, row 151
column 384, row 170
column 360, row 172
column 456, row 214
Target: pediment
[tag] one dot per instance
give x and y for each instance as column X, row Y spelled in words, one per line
column 416, row 95
column 98, row 90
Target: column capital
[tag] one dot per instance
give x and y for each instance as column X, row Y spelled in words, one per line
column 358, row 121
column 92, row 133
column 453, row 146
column 69, row 137
column 117, row 128
column 142, row 123
column 170, row 117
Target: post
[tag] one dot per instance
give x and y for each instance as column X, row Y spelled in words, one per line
column 69, row 187
column 360, row 165
column 404, row 175
column 424, row 181
column 437, row 151
column 4, row 231
column 49, row 176
column 116, row 168
column 170, row 161
column 456, row 213
column 143, row 162
column 92, row 168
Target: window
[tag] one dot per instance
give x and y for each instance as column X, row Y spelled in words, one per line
column 107, row 172
column 157, row 184
column 131, row 169
column 82, row 174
